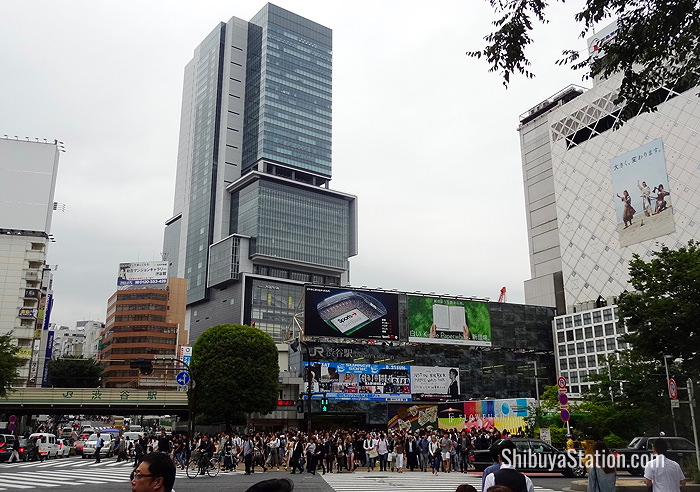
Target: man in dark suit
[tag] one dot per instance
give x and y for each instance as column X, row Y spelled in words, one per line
column 297, row 452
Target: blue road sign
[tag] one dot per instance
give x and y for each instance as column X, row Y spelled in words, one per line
column 183, row 378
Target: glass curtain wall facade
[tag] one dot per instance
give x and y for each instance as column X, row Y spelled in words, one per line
column 287, row 222
column 254, row 162
column 288, row 92
column 205, row 122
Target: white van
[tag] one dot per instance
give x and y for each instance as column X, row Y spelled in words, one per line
column 47, row 443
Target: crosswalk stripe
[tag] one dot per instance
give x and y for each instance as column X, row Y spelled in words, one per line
column 363, row 481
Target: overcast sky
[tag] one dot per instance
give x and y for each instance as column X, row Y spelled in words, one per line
column 424, row 136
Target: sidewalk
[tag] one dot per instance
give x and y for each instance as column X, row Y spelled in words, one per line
column 630, row 485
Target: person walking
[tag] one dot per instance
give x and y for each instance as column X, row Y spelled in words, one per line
column 399, row 451
column 98, row 447
column 15, row 451
column 602, row 474
column 664, row 474
column 507, row 475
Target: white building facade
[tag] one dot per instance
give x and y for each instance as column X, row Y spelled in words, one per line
column 27, row 183
column 578, row 174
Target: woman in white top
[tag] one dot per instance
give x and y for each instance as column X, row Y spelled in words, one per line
column 434, row 451
column 369, row 445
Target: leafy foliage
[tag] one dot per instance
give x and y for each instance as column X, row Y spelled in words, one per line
column 662, row 313
column 655, row 46
column 236, row 370
column 8, row 363
column 74, row 372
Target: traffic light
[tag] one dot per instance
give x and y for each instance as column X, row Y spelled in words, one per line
column 324, row 404
column 144, row 366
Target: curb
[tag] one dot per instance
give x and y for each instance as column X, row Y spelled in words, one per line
column 633, row 485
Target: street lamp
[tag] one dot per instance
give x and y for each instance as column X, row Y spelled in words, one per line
column 537, row 383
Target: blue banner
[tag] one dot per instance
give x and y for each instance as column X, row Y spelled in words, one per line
column 364, row 382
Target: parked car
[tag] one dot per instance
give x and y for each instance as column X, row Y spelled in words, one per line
column 640, row 450
column 107, row 446
column 535, row 455
column 7, row 441
column 63, row 448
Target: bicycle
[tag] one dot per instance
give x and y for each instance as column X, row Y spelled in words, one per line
column 199, row 465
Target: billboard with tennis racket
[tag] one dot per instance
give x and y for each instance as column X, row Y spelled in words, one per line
column 350, row 313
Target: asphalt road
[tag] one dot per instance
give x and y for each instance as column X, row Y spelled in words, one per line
column 79, row 475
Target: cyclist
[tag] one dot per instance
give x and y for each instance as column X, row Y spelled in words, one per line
column 206, row 451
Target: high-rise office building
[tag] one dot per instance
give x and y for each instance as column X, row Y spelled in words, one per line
column 577, row 171
column 254, row 217
column 27, row 182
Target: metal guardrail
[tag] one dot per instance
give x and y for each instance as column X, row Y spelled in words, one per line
column 93, row 397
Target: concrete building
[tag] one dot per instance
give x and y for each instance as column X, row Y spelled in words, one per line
column 143, row 322
column 27, row 183
column 93, row 332
column 576, row 170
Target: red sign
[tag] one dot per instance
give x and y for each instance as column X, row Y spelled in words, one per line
column 563, row 399
column 672, row 389
column 286, row 403
column 565, row 415
column 561, row 382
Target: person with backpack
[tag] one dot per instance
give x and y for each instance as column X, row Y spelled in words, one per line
column 507, row 474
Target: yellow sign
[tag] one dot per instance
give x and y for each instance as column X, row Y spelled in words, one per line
column 24, row 352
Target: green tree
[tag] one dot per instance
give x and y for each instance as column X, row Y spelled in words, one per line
column 74, row 372
column 656, row 45
column 625, row 398
column 8, row 363
column 236, row 370
column 663, row 311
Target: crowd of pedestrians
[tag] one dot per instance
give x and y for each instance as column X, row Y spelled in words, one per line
column 339, row 450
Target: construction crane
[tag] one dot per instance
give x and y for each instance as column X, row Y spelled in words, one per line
column 502, row 297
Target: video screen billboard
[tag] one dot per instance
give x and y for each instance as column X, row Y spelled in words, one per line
column 350, row 313
column 507, row 414
column 448, row 321
column 641, row 194
column 367, row 382
column 143, row 273
column 434, row 382
column 412, row 417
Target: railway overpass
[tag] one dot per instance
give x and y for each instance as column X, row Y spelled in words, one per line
column 94, row 401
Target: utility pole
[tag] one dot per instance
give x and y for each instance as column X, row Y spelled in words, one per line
column 691, row 402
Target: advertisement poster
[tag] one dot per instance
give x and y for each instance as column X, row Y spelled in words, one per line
column 434, row 382
column 143, row 273
column 451, row 415
column 507, row 414
column 350, row 313
column 448, row 321
column 412, row 417
column 366, row 382
column 641, row 194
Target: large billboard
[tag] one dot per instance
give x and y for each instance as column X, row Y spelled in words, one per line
column 508, row 414
column 350, row 313
column 368, row 382
column 448, row 321
column 412, row 417
column 143, row 273
column 27, row 184
column 641, row 194
column 434, row 382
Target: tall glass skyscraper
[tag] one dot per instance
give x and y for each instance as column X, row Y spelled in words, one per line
column 254, row 217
